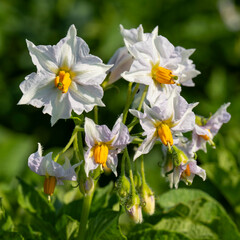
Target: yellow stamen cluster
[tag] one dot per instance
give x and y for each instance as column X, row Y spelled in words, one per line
column 206, row 137
column 49, row 185
column 187, row 171
column 63, row 81
column 165, row 134
column 100, row 153
column 162, row 75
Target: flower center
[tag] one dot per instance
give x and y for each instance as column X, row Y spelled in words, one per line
column 100, row 153
column 187, row 171
column 63, row 81
column 206, row 137
column 165, row 134
column 49, row 185
column 163, row 75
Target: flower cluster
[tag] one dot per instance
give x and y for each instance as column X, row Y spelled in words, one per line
column 70, row 82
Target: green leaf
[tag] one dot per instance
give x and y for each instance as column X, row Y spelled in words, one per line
column 73, row 209
column 67, row 227
column 6, row 223
column 35, row 202
column 15, row 149
column 196, row 215
column 101, row 198
column 11, row 235
column 225, row 175
column 104, row 226
column 151, row 234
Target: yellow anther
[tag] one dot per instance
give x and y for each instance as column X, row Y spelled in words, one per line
column 187, row 171
column 163, row 75
column 100, row 153
column 49, row 185
column 165, row 134
column 63, row 81
column 206, row 137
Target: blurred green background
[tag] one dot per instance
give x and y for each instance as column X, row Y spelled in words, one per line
column 211, row 27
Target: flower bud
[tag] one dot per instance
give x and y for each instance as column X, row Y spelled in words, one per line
column 86, row 186
column 178, row 156
column 134, row 209
column 148, row 200
column 123, row 187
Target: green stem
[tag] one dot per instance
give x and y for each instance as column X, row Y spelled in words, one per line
column 84, row 215
column 96, row 114
column 130, row 98
column 142, row 171
column 130, row 170
column 74, row 135
column 123, row 165
column 142, row 98
column 135, row 119
column 80, row 145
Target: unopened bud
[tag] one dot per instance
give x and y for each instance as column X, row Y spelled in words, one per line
column 123, row 186
column 134, row 209
column 148, row 200
column 86, row 186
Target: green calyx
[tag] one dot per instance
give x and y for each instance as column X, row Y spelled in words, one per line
column 178, row 156
column 123, row 186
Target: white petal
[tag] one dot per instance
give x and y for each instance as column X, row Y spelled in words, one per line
column 176, row 176
column 120, row 134
column 58, row 107
column 65, row 49
column 69, row 171
column 112, row 163
column 164, row 47
column 187, row 118
column 195, row 169
column 85, row 97
column 90, row 74
column 36, row 89
column 132, row 36
column 146, row 146
column 122, row 61
column 146, row 122
column 91, row 133
column 139, row 73
column 43, row 57
column 89, row 163
column 220, row 117
column 145, row 50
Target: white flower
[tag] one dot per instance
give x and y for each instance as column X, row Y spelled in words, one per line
column 54, row 173
column 205, row 131
column 160, row 65
column 104, row 145
column 186, row 171
column 68, row 78
column 133, row 35
column 180, row 165
column 122, row 59
column 171, row 116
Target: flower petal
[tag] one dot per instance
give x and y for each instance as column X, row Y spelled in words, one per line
column 89, row 162
column 43, row 57
column 146, row 146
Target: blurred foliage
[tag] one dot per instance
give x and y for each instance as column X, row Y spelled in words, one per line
column 207, row 26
